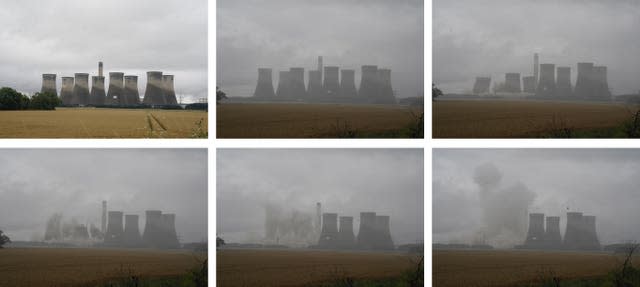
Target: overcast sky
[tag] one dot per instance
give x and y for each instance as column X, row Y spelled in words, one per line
column 490, row 38
column 37, row 183
column 70, row 36
column 490, row 192
column 345, row 181
column 279, row 34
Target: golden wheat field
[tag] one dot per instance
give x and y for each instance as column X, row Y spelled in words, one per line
column 102, row 123
column 304, row 267
column 50, row 267
column 517, row 119
column 236, row 120
column 516, row 267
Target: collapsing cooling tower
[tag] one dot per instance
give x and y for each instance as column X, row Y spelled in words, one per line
column 512, row 83
column 282, row 91
column 97, row 91
column 264, row 88
column 154, row 94
column 599, row 81
column 346, row 238
column 66, row 92
column 115, row 94
column 535, row 234
column 314, row 90
column 482, row 85
column 529, row 84
column 385, row 91
column 584, row 86
column 547, row 83
column 348, row 85
column 49, row 84
column 296, row 83
column 367, row 232
column 80, row 89
column 131, row 237
column 329, row 233
column 563, row 83
column 130, row 95
column 169, row 90
column 383, row 234
column 331, row 84
column 552, row 238
column 115, row 232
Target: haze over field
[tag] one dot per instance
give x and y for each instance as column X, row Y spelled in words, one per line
column 475, row 38
column 71, row 36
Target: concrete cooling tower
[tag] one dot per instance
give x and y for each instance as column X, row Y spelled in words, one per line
column 512, row 83
column 584, row 86
column 282, row 91
column 49, row 84
column 529, row 84
column 152, row 228
column 482, row 85
column 314, row 89
column 115, row 94
column 590, row 241
column 264, row 88
column 547, row 82
column 80, row 232
column 169, row 90
column 581, row 232
column 169, row 234
column 115, row 231
column 80, row 89
column 329, row 233
column 130, row 95
column 348, row 85
column 599, row 82
column 296, row 83
column 552, row 238
column 385, row 91
column 98, row 95
column 66, row 92
column 563, row 83
column 154, row 94
column 383, row 234
column 368, row 90
column 367, row 233
column 131, row 237
column 346, row 237
column 535, row 234
column 331, row 84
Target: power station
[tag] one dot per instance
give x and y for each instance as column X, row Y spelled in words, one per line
column 374, row 233
column 580, row 233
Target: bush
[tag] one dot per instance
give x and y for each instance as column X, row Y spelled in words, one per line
column 4, row 239
column 44, row 101
column 11, row 99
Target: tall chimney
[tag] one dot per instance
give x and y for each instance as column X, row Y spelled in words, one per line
column 348, row 85
column 100, row 69
column 131, row 96
column 80, row 89
column 66, row 92
column 115, row 94
column 169, row 90
column 115, row 231
column 535, row 68
column 103, row 227
column 584, row 85
column 329, row 233
column 98, row 96
column 49, row 84
column 154, row 93
column 264, row 88
column 547, row 83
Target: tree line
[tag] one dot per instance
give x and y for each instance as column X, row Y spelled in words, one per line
column 11, row 99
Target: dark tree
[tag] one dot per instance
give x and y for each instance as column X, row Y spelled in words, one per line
column 435, row 92
column 44, row 101
column 219, row 241
column 11, row 99
column 4, row 239
column 220, row 95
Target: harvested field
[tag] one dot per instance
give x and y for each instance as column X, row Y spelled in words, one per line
column 46, row 267
column 309, row 120
column 522, row 119
column 304, row 267
column 516, row 267
column 101, row 123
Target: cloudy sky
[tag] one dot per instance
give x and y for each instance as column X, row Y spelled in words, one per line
column 345, row 181
column 279, row 34
column 71, row 36
column 475, row 38
column 489, row 192
column 40, row 182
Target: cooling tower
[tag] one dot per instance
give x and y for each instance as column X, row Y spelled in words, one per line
column 115, row 94
column 535, row 69
column 331, row 84
column 154, row 94
column 80, row 232
column 552, row 238
column 535, row 235
column 98, row 96
column 584, row 86
column 66, row 92
column 368, row 90
column 169, row 90
column 296, row 83
column 115, row 232
column 314, row 90
column 264, row 88
column 152, row 228
column 104, row 217
column 482, row 85
column 131, row 231
column 329, row 233
column 590, row 240
column 529, row 84
column 348, row 90
column 367, row 234
column 130, row 96
column 282, row 91
column 383, row 234
column 512, row 83
column 49, row 84
column 563, row 83
column 169, row 235
column 599, row 81
column 385, row 91
column 346, row 238
column 80, row 89
column 574, row 231
column 547, row 82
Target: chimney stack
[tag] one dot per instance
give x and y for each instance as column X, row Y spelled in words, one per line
column 104, row 217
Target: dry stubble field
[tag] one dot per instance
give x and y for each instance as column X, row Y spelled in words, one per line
column 50, row 267
column 515, row 267
column 519, row 118
column 100, row 123
column 235, row 120
column 245, row 267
